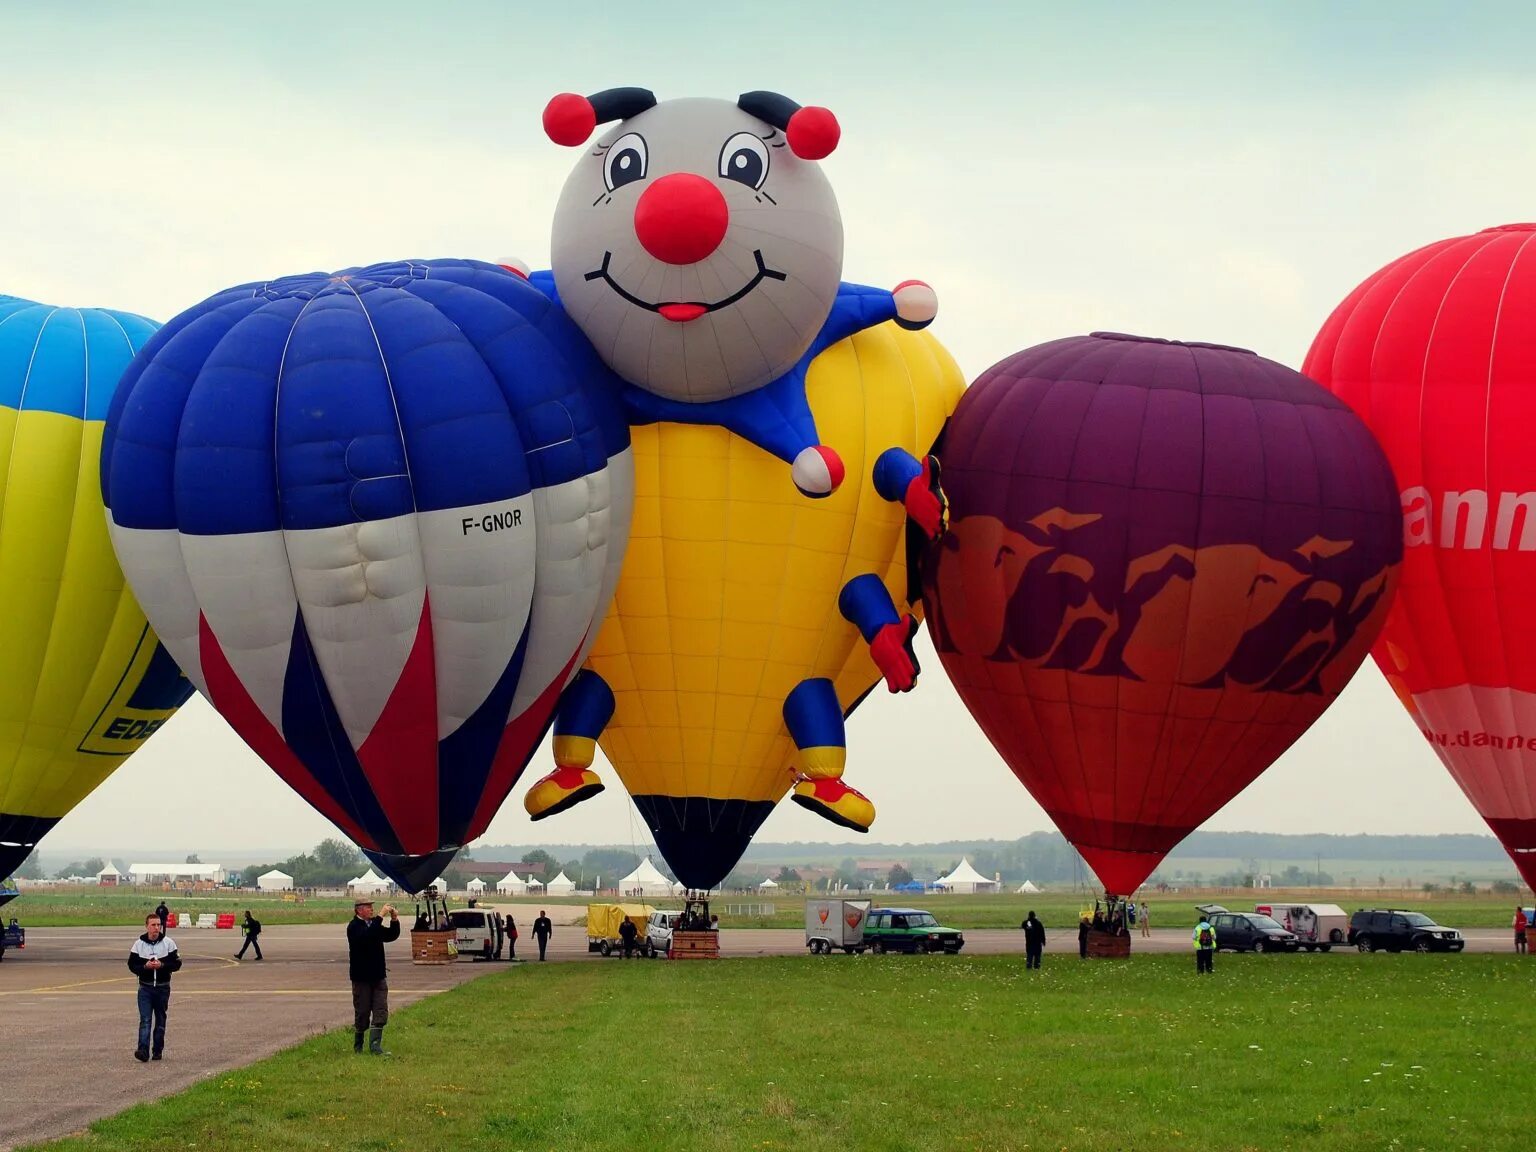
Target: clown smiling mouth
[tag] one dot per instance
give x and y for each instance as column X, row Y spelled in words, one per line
column 679, row 311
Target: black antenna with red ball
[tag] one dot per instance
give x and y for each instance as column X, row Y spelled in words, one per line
column 569, row 119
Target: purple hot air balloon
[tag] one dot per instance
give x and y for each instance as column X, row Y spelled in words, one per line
column 1165, row 561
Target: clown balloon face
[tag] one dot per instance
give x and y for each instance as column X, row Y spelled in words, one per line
column 698, row 246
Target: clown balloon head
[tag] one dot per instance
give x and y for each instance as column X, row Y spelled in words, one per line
column 697, row 242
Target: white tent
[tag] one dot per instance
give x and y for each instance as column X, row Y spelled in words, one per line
column 475, row 887
column 645, row 880
column 274, row 881
column 768, row 883
column 441, row 884
column 1028, row 886
column 511, row 885
column 561, row 885
column 109, row 875
column 965, row 879
column 176, row 873
column 368, row 884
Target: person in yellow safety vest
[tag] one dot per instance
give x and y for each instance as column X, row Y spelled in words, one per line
column 1204, row 937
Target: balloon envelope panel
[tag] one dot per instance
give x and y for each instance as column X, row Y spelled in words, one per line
column 377, row 515
column 1165, row 561
column 728, row 598
column 1437, row 352
column 83, row 682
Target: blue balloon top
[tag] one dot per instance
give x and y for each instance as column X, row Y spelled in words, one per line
column 326, row 399
column 65, row 360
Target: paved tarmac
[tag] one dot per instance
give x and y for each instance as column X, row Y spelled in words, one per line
column 67, row 1003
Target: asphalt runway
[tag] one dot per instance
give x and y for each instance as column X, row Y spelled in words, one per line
column 69, row 995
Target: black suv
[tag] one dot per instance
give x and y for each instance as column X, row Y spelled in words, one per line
column 1396, row 929
column 1242, row 931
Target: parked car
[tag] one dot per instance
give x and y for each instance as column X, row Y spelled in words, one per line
column 833, row 924
column 908, row 930
column 658, row 931
column 1248, row 931
column 474, row 931
column 1318, row 926
column 1398, row 930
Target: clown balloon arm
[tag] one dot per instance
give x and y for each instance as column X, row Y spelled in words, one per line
column 856, row 308
column 902, row 478
column 776, row 417
column 867, row 605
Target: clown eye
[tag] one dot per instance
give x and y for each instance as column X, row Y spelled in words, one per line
column 625, row 162
column 745, row 160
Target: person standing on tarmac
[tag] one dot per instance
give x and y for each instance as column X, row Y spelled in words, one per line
column 153, row 959
column 366, row 937
column 543, row 929
column 1082, row 937
column 252, row 931
column 1204, row 937
column 1521, row 924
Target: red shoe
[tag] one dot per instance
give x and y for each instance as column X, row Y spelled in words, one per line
column 567, row 786
column 835, row 801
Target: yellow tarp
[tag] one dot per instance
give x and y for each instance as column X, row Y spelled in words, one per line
column 603, row 920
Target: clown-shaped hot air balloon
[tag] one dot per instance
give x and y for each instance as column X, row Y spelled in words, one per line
column 1165, row 561
column 376, row 517
column 83, row 681
column 1437, row 353
column 699, row 246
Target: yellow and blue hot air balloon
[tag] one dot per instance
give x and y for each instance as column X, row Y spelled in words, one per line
column 83, row 680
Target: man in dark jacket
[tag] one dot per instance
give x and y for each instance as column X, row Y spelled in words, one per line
column 252, row 930
column 152, row 959
column 627, row 933
column 1034, row 940
column 1082, row 938
column 543, row 929
column 366, row 937
column 165, row 914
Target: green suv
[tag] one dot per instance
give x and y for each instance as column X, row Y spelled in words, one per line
column 908, row 930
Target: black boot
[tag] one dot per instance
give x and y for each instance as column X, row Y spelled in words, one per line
column 357, row 1041
column 141, row 1055
column 376, row 1042
column 155, row 1055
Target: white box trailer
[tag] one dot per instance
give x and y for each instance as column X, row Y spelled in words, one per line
column 835, row 924
column 1317, row 926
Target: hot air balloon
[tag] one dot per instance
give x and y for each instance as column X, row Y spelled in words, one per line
column 83, row 681
column 699, row 246
column 1437, row 353
column 376, row 516
column 1165, row 561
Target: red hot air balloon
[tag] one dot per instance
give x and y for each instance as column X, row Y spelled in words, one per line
column 1437, row 352
column 1165, row 561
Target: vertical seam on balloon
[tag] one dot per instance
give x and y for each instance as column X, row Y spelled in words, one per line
column 1174, row 781
column 1522, row 778
column 10, row 468
column 352, row 808
column 1434, row 544
column 1066, row 673
column 70, row 544
column 405, row 457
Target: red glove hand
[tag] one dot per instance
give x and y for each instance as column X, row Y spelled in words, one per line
column 894, row 654
column 925, row 501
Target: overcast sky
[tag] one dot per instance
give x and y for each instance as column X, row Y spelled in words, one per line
column 1205, row 173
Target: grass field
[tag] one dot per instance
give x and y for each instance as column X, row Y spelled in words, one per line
column 86, row 905
column 1402, row 1052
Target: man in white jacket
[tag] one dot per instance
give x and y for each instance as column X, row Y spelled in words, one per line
column 153, row 959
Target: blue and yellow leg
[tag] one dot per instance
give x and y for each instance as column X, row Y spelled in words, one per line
column 902, row 478
column 584, row 710
column 867, row 605
column 815, row 722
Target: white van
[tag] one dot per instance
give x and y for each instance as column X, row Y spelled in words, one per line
column 1317, row 926
column 475, row 933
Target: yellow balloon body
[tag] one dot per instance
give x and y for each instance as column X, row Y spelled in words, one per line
column 728, row 597
column 83, row 680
